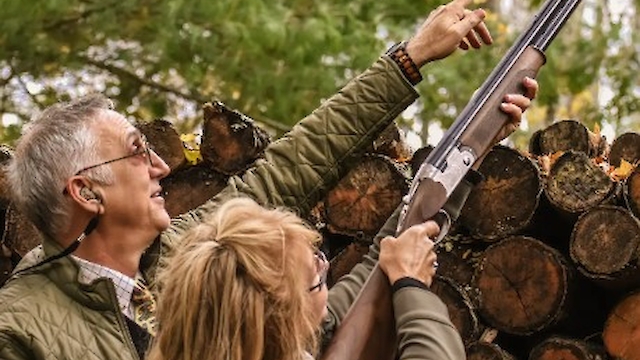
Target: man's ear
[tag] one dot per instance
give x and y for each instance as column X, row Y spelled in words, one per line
column 82, row 192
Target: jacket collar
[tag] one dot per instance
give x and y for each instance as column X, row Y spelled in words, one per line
column 64, row 273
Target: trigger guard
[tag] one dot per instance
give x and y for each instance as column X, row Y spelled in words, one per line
column 444, row 221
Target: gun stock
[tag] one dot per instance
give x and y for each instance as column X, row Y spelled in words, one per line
column 368, row 330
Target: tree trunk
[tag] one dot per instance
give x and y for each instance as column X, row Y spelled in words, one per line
column 523, row 285
column 365, row 197
column 506, row 200
column 575, row 184
column 604, row 244
column 627, row 147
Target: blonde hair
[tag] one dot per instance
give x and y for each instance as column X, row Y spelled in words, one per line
column 237, row 290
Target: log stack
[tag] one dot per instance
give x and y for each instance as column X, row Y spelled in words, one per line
column 543, row 263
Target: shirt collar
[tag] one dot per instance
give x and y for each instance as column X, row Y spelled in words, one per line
column 123, row 284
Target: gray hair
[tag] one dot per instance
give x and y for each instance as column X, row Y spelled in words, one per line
column 54, row 146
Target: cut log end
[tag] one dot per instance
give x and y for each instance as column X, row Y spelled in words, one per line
column 165, row 141
column 187, row 189
column 632, row 192
column 510, row 178
column 461, row 310
column 231, row 141
column 605, row 240
column 576, row 184
column 523, row 285
column 565, row 135
column 487, row 351
column 363, row 200
column 625, row 147
column 566, row 349
column 621, row 333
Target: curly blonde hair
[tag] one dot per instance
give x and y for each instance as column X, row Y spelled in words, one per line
column 237, row 290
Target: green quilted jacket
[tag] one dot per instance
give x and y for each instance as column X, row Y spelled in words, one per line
column 47, row 314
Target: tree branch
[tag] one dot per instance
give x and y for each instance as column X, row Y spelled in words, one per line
column 83, row 15
column 124, row 73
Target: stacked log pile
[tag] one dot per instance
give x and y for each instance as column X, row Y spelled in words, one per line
column 543, row 262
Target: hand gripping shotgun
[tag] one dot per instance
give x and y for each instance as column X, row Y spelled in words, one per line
column 368, row 330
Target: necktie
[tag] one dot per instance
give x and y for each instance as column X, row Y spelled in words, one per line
column 144, row 306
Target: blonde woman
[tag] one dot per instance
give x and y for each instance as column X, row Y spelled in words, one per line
column 249, row 284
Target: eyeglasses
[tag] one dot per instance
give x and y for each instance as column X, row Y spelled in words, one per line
column 322, row 268
column 142, row 149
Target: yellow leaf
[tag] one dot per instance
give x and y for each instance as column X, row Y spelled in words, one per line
column 623, row 171
column 191, row 148
column 192, row 156
column 189, row 138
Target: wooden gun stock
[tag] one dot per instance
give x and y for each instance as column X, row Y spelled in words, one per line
column 368, row 330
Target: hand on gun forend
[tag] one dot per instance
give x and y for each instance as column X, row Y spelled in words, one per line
column 515, row 105
column 411, row 254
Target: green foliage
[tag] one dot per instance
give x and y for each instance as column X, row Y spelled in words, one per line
column 273, row 60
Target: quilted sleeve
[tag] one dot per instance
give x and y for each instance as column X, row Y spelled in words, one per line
column 299, row 168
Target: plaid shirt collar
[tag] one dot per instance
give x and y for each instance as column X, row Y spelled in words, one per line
column 123, row 284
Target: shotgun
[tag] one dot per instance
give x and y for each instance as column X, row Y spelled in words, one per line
column 368, row 330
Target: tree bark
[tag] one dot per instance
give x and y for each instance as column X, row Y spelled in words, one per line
column 523, row 285
column 505, row 201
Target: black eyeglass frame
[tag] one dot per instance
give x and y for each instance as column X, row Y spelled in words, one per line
column 144, row 149
column 322, row 267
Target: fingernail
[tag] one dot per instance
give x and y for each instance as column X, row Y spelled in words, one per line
column 507, row 98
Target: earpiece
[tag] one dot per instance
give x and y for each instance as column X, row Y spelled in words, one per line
column 88, row 194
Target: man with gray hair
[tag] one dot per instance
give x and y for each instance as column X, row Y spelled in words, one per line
column 90, row 183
